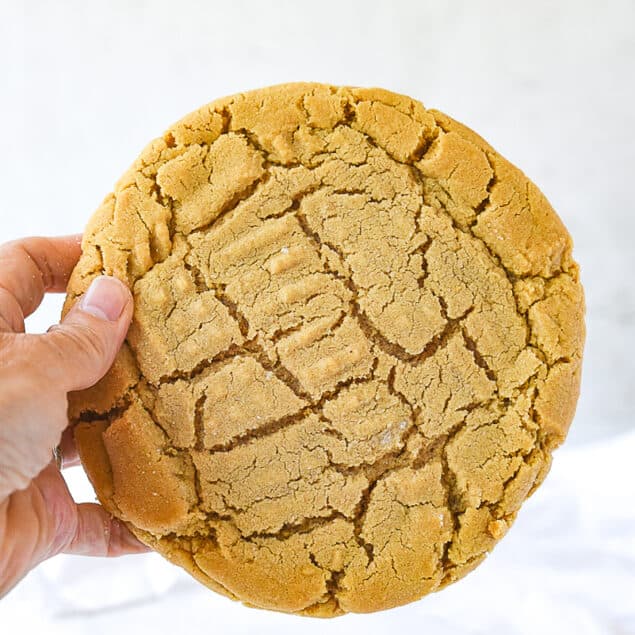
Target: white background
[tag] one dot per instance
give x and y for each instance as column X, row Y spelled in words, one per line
column 84, row 85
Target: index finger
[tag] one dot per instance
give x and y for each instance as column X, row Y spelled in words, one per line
column 29, row 268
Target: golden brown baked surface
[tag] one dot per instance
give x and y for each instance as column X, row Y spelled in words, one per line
column 357, row 339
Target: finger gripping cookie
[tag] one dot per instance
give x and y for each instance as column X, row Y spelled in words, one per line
column 357, row 339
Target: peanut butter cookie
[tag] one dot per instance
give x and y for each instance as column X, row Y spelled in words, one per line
column 357, row 339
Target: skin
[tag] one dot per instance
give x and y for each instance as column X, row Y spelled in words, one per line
column 38, row 516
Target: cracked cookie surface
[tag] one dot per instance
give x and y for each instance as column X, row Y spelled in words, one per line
column 357, row 339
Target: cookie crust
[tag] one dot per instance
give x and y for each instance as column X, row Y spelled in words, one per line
column 357, row 339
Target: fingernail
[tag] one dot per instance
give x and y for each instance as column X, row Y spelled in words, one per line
column 106, row 297
column 128, row 539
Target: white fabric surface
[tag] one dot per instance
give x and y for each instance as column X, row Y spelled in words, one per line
column 84, row 85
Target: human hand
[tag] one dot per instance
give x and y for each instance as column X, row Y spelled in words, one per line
column 38, row 516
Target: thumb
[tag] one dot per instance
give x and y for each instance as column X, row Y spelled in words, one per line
column 79, row 351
